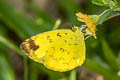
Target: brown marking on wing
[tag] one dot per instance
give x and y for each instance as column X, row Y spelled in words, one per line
column 58, row 34
column 32, row 45
column 24, row 48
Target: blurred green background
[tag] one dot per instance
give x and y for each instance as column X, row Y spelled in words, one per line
column 20, row 19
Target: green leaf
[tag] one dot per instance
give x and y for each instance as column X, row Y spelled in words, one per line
column 118, row 2
column 109, row 56
column 113, row 14
column 6, row 71
column 110, row 3
column 108, row 14
column 41, row 14
column 100, row 69
column 10, row 44
column 69, row 7
column 100, row 2
column 18, row 22
column 103, row 16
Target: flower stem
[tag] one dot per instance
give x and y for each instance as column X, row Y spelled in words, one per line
column 25, row 68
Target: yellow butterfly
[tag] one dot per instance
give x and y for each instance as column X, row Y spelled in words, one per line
column 59, row 50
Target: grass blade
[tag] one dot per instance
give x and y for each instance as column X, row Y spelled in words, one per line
column 98, row 68
column 109, row 56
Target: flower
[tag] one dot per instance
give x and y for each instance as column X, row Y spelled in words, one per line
column 91, row 27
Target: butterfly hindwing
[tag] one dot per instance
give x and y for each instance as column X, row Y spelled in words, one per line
column 59, row 50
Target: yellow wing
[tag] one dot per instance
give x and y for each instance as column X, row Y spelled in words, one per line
column 59, row 50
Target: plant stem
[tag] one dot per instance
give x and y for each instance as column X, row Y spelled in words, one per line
column 73, row 74
column 10, row 44
column 25, row 68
